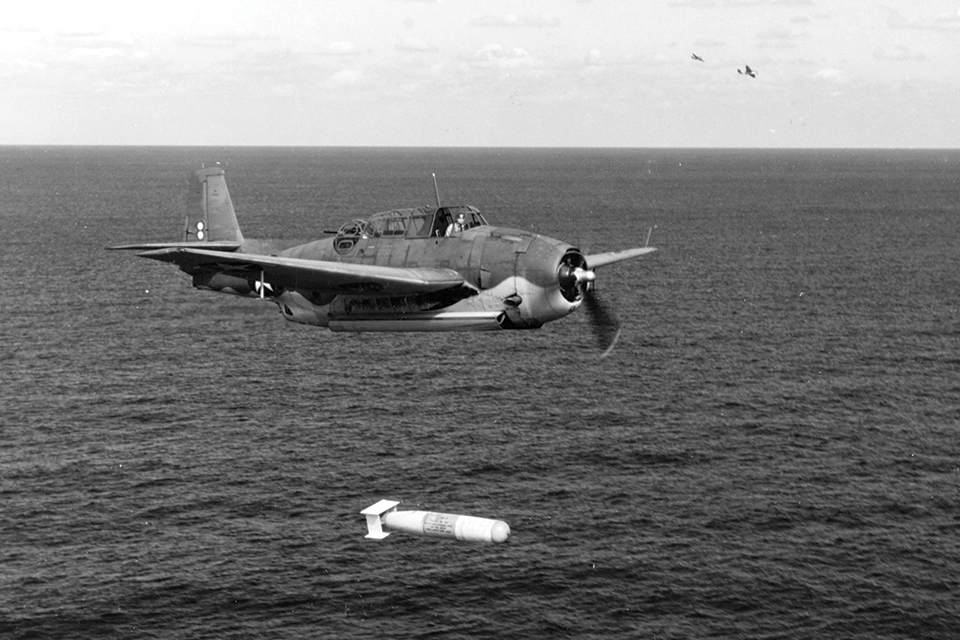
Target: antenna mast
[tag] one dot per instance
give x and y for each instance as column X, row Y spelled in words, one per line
column 436, row 189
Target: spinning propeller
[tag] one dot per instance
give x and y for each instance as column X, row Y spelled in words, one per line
column 606, row 326
column 577, row 280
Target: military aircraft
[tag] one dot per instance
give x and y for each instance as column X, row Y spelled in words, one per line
column 440, row 268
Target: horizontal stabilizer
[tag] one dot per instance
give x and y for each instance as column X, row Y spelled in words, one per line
column 374, row 513
column 602, row 259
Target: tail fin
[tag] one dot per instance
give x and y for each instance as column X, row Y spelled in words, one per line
column 211, row 222
column 210, row 215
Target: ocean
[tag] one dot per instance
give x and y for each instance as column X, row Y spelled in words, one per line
column 770, row 451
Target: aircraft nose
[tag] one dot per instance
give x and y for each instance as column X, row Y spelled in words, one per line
column 552, row 274
column 573, row 275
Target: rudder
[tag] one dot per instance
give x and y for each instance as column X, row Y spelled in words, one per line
column 210, row 214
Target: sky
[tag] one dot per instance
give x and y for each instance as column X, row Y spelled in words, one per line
column 503, row 73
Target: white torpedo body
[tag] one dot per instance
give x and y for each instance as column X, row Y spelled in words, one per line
column 427, row 523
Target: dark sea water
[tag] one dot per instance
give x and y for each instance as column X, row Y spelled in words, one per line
column 771, row 451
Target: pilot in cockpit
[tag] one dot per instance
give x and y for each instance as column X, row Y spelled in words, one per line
column 458, row 226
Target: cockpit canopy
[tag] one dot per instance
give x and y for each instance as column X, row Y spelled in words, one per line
column 425, row 222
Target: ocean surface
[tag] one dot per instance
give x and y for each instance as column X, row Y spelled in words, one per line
column 772, row 450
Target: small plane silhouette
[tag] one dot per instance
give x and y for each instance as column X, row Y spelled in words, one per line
column 747, row 71
column 696, row 57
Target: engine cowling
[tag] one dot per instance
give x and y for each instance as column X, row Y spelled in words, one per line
column 550, row 276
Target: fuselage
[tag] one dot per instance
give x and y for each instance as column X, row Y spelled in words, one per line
column 512, row 278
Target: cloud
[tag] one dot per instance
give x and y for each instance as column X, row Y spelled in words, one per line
column 513, row 20
column 19, row 27
column 777, row 38
column 344, row 78
column 707, row 43
column 940, row 22
column 498, row 57
column 414, row 45
column 715, row 3
column 342, row 48
column 221, row 40
column 830, row 74
column 496, row 53
column 895, row 52
column 98, row 53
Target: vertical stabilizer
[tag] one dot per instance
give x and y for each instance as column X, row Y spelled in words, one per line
column 210, row 215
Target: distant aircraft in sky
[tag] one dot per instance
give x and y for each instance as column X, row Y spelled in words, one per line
column 696, row 57
column 440, row 268
column 747, row 72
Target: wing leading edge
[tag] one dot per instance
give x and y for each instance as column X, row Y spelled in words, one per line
column 312, row 275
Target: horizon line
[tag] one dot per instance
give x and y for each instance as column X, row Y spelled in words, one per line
column 472, row 147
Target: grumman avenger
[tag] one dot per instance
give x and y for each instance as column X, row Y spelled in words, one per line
column 441, row 268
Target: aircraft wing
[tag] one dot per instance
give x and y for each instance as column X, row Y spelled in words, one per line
column 312, row 275
column 221, row 245
column 602, row 259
